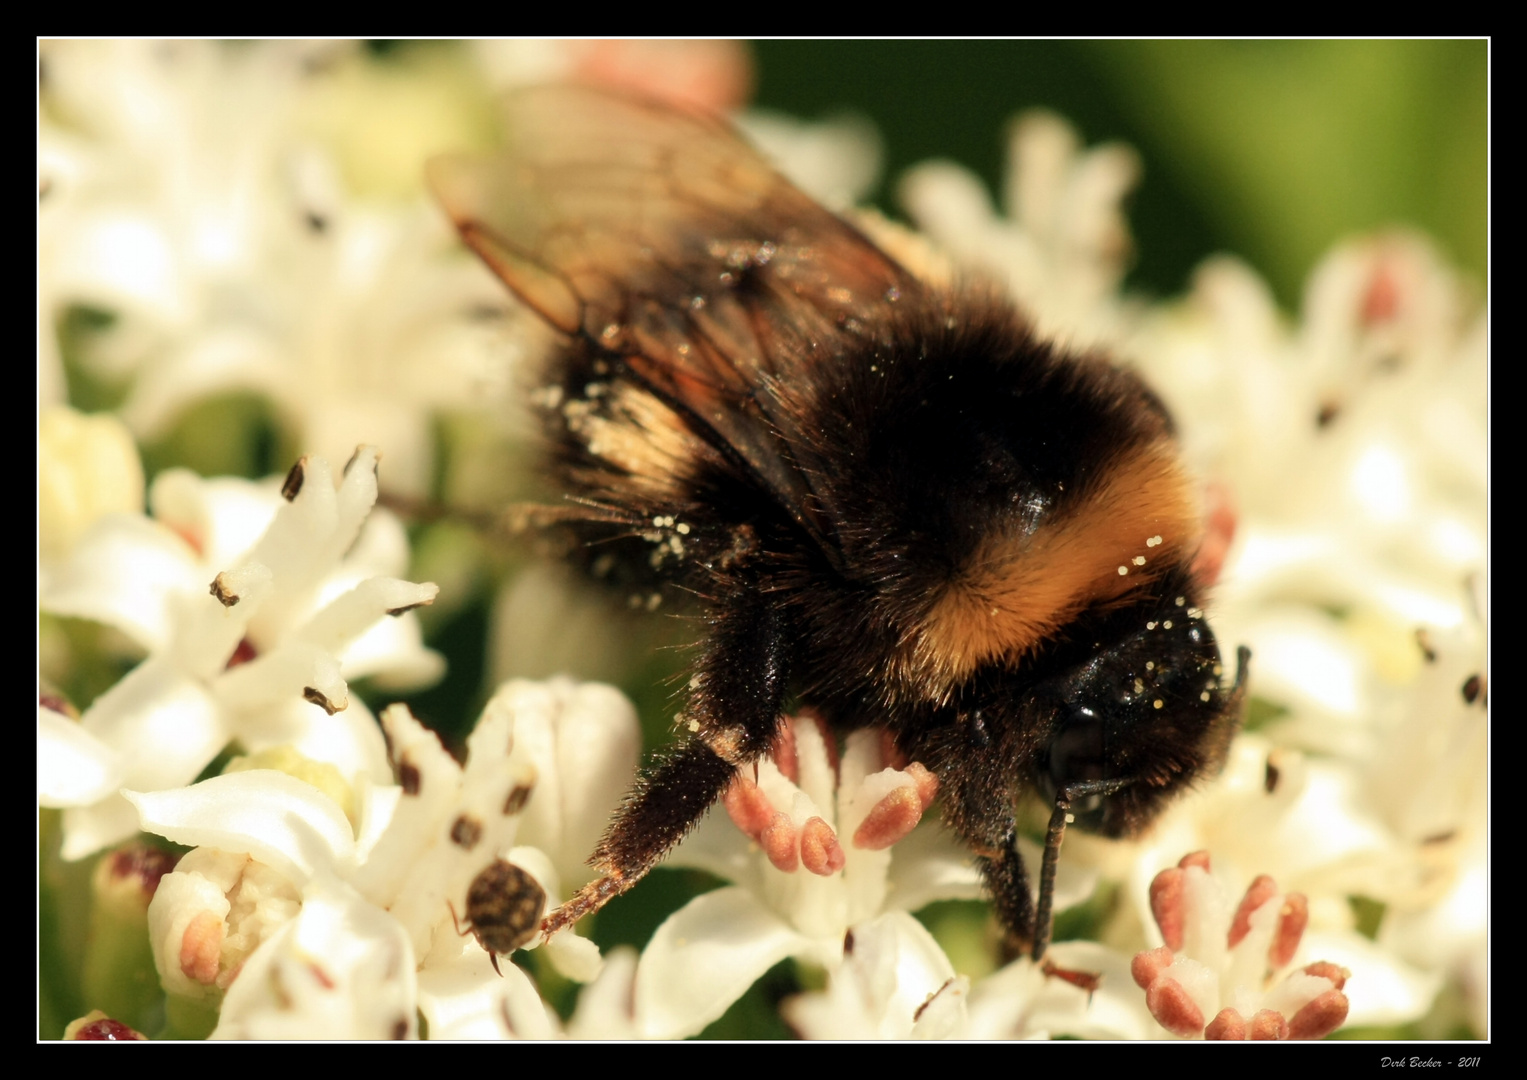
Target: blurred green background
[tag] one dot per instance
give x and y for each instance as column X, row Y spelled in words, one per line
column 1271, row 150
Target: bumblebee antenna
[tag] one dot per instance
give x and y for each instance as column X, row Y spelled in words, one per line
column 1065, row 798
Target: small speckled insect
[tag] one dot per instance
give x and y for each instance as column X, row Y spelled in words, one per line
column 504, row 907
column 890, row 500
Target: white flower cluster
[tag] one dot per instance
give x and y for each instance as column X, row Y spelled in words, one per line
column 198, row 193
column 255, row 604
column 238, row 214
column 319, row 929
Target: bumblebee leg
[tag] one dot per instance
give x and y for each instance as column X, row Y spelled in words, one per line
column 734, row 713
column 978, row 806
column 1008, row 881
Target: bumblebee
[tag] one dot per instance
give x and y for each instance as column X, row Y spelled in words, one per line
column 890, row 500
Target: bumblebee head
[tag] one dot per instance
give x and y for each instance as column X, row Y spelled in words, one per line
column 1151, row 708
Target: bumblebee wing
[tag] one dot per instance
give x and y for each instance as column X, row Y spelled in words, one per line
column 661, row 237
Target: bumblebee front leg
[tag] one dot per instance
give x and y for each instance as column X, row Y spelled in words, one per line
column 1065, row 799
column 733, row 714
column 1008, row 879
column 978, row 798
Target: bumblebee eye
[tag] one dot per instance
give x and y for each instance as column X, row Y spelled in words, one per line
column 1078, row 753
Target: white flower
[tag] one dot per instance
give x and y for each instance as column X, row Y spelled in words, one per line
column 894, row 983
column 1309, row 825
column 339, row 970
column 584, row 741
column 607, row 1007
column 836, row 161
column 1348, row 459
column 255, row 606
column 1061, row 243
column 1082, row 989
column 369, row 919
column 1431, row 785
column 800, row 880
column 816, row 849
column 197, row 202
column 1354, row 447
column 87, row 467
column 263, row 911
column 1345, row 462
column 1226, row 973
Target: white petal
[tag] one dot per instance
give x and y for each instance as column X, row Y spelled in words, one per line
column 1383, row 990
column 1021, row 1002
column 341, row 970
column 165, row 726
column 283, row 822
column 431, row 782
column 836, row 161
column 1116, row 1010
column 931, row 865
column 907, row 965
column 351, row 741
column 393, row 655
column 222, row 516
column 303, row 544
column 947, row 200
column 574, row 957
column 74, row 768
column 607, row 1008
column 88, row 829
column 294, row 670
column 1310, row 662
column 584, row 740
column 718, row 847
column 1332, row 832
column 943, row 1014
column 381, row 549
column 704, row 957
column 351, row 614
column 879, row 992
column 378, row 806
column 464, row 998
column 121, row 573
column 356, row 495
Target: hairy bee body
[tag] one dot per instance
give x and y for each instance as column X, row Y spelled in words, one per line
column 890, row 500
